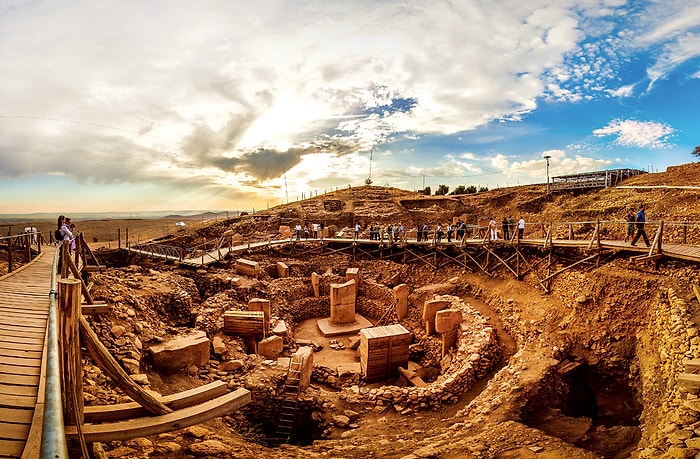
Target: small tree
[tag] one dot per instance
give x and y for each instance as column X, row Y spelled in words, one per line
column 426, row 191
column 696, row 152
column 483, row 188
column 471, row 189
column 442, row 190
column 460, row 190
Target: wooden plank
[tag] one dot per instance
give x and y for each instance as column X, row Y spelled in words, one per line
column 11, row 448
column 692, row 366
column 20, row 353
column 17, row 401
column 141, row 427
column 17, row 415
column 689, row 380
column 99, row 307
column 19, row 380
column 33, row 345
column 12, row 431
column 22, row 361
column 122, row 411
column 22, row 391
column 20, row 370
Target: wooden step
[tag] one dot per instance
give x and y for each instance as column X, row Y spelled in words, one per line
column 142, row 427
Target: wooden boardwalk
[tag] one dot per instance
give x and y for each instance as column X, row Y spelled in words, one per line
column 679, row 251
column 24, row 306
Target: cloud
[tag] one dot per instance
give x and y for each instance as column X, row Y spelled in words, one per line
column 639, row 134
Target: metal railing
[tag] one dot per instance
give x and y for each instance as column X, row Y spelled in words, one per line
column 53, row 437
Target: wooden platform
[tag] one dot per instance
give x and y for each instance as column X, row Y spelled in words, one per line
column 24, row 305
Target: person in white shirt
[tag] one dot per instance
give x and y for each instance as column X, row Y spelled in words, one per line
column 357, row 230
column 493, row 226
column 315, row 230
column 521, row 227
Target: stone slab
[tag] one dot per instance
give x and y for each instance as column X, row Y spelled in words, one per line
column 329, row 329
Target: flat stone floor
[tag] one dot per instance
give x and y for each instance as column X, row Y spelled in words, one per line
column 330, row 330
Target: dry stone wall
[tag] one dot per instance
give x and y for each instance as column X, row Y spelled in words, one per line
column 671, row 415
column 476, row 352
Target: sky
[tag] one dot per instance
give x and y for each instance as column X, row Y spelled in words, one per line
column 237, row 105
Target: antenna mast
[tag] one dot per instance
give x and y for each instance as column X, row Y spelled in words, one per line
column 368, row 180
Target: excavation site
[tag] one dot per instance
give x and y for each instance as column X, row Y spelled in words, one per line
column 359, row 341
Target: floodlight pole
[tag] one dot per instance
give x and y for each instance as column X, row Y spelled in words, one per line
column 547, row 157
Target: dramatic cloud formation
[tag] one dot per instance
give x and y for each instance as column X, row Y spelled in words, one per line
column 230, row 105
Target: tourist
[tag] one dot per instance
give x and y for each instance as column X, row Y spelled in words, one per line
column 315, row 230
column 450, row 230
column 297, row 229
column 521, row 227
column 461, row 229
column 66, row 233
column 504, row 226
column 426, row 232
column 439, row 232
column 323, row 227
column 57, row 235
column 306, row 231
column 641, row 219
column 631, row 218
column 400, row 231
column 371, row 232
column 493, row 226
column 419, row 232
column 511, row 226
column 357, row 230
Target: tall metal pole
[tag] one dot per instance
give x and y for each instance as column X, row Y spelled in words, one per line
column 547, row 159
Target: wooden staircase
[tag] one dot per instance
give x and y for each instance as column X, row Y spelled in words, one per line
column 288, row 411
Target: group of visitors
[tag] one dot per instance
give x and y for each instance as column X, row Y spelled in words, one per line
column 507, row 228
column 315, row 231
column 65, row 231
column 392, row 232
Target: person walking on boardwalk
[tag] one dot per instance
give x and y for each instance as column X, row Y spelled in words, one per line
column 641, row 218
column 450, row 230
column 357, row 230
column 630, row 224
column 297, row 229
column 504, row 227
column 521, row 227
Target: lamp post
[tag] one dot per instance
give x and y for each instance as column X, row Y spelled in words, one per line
column 547, row 158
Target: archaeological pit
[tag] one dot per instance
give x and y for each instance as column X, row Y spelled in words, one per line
column 353, row 356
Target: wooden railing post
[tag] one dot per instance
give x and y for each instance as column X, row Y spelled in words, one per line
column 69, row 294
column 29, row 246
column 9, row 255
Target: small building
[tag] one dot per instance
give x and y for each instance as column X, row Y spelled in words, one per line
column 598, row 179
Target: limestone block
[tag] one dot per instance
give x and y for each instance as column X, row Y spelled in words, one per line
column 285, row 232
column 430, row 308
column 180, row 352
column 304, row 356
column 353, row 274
column 447, row 320
column 280, row 328
column 219, row 346
column 343, row 303
column 282, row 269
column 401, row 294
column 247, row 267
column 271, row 347
column 261, row 304
column 315, row 284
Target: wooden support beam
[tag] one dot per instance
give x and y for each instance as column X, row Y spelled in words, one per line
column 696, row 291
column 97, row 308
column 412, row 378
column 692, row 366
column 689, row 380
column 105, row 361
column 570, row 266
column 656, row 244
column 143, row 427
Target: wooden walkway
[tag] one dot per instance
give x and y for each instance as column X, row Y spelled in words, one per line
column 679, row 251
column 24, row 306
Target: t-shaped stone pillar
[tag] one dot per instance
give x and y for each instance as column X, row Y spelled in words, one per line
column 343, row 303
column 430, row 308
column 260, row 304
column 447, row 322
column 401, row 294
